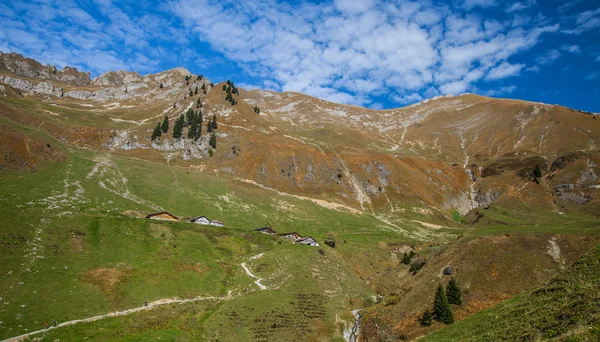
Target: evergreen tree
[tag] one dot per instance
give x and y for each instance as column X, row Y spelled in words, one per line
column 165, row 125
column 191, row 93
column 228, row 82
column 189, row 116
column 209, row 128
column 441, row 308
column 426, row 318
column 203, row 86
column 224, row 87
column 161, row 86
column 178, row 127
column 196, row 90
column 214, row 122
column 156, row 133
column 453, row 292
column 228, row 97
column 213, row 141
column 537, row 174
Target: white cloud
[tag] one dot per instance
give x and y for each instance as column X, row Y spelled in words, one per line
column 548, row 58
column 469, row 4
column 585, row 21
column 505, row 70
column 410, row 98
column 519, row 6
column 353, row 6
column 593, row 75
column 571, row 48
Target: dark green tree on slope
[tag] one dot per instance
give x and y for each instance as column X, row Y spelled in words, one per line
column 165, row 125
column 441, row 308
column 453, row 292
column 178, row 127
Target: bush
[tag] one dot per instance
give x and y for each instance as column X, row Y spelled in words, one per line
column 426, row 318
column 416, row 265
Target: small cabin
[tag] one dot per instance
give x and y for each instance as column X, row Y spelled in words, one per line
column 308, row 241
column 200, row 220
column 291, row 236
column 266, row 230
column 217, row 223
column 162, row 216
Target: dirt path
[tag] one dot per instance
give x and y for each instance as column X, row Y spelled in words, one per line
column 150, row 306
column 249, row 273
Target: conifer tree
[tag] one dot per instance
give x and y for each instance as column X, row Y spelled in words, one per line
column 224, row 87
column 214, row 122
column 178, row 127
column 426, row 318
column 156, row 133
column 196, row 90
column 453, row 292
column 537, row 174
column 191, row 93
column 209, row 128
column 441, row 308
column 213, row 141
column 161, row 86
column 165, row 125
column 203, row 86
column 189, row 116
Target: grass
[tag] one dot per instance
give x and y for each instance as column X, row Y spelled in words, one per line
column 565, row 309
column 70, row 252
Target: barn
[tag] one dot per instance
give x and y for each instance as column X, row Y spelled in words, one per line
column 308, row 241
column 200, row 220
column 291, row 236
column 162, row 216
column 217, row 223
column 266, row 230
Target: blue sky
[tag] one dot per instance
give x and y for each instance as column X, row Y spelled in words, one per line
column 378, row 54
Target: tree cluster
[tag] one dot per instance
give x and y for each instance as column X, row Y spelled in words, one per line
column 442, row 311
column 407, row 258
column 193, row 120
column 230, row 89
column 256, row 110
column 161, row 127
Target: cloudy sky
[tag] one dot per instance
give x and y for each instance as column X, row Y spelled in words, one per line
column 378, row 54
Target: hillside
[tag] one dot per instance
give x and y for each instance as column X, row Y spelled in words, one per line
column 565, row 309
column 450, row 178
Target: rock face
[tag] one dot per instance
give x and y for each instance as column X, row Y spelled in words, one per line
column 27, row 67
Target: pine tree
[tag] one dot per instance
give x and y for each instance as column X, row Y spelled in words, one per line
column 426, row 318
column 191, row 93
column 537, row 174
column 161, row 86
column 214, row 122
column 224, row 87
column 453, row 292
column 156, row 133
column 196, row 90
column 203, row 86
column 209, row 128
column 213, row 141
column 189, row 116
column 165, row 125
column 441, row 308
column 178, row 127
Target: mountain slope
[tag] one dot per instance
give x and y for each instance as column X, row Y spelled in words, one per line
column 565, row 309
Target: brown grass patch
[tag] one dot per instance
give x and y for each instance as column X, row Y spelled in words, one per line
column 106, row 279
column 77, row 241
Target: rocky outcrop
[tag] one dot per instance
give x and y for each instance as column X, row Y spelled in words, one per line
column 27, row 67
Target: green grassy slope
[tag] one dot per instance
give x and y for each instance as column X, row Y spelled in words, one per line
column 71, row 249
column 566, row 309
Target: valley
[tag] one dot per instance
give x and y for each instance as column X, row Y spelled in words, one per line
column 451, row 179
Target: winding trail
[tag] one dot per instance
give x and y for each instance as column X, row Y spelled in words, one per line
column 150, row 306
column 249, row 273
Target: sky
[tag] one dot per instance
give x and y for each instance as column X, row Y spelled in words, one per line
column 371, row 53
